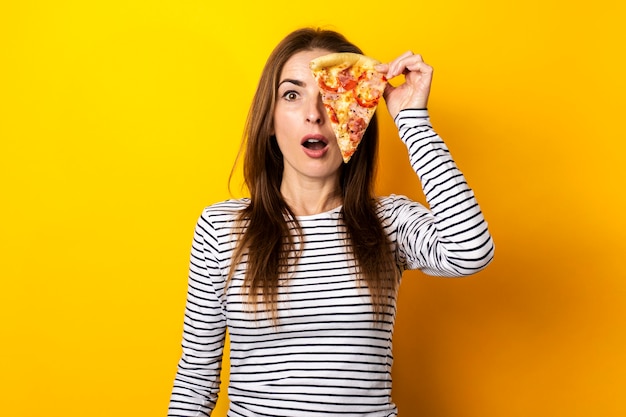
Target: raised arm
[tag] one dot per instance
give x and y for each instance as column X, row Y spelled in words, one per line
column 450, row 238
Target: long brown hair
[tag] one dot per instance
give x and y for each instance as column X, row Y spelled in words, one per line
column 269, row 224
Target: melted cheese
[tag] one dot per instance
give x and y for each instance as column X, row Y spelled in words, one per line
column 352, row 118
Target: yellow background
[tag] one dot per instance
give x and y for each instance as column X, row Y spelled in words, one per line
column 120, row 121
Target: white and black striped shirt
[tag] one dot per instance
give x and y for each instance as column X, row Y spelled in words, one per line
column 326, row 356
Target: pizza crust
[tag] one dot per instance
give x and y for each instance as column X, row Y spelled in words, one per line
column 346, row 59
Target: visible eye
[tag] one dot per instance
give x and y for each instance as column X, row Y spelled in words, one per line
column 290, row 95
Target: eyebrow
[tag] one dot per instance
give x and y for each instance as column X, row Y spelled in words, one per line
column 292, row 81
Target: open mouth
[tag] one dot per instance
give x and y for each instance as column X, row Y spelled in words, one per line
column 314, row 144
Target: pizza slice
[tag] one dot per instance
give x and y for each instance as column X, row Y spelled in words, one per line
column 350, row 88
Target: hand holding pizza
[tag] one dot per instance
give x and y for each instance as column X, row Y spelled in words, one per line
column 351, row 86
column 413, row 93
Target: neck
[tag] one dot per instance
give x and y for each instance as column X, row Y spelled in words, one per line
column 306, row 201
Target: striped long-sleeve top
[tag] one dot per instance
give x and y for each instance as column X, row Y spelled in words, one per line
column 326, row 356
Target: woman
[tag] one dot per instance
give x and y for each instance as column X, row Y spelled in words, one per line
column 304, row 274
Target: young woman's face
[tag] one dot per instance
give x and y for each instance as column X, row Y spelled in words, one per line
column 301, row 125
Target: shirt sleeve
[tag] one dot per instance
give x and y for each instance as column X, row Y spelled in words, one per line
column 197, row 380
column 451, row 237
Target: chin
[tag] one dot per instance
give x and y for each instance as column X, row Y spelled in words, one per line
column 325, row 170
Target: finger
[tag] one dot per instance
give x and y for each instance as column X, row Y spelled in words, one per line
column 416, row 63
column 408, row 62
column 396, row 67
column 388, row 89
column 388, row 68
column 382, row 68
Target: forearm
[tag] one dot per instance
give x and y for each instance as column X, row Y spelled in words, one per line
column 458, row 239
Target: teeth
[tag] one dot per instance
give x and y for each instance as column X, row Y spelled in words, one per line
column 314, row 143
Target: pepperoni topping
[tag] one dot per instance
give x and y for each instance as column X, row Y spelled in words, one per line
column 368, row 93
column 331, row 113
column 367, row 101
column 326, row 82
column 324, row 85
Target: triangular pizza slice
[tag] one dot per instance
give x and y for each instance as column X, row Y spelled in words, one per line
column 350, row 89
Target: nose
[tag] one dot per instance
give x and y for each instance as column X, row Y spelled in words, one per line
column 316, row 111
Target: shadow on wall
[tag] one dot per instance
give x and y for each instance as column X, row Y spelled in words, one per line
column 526, row 336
